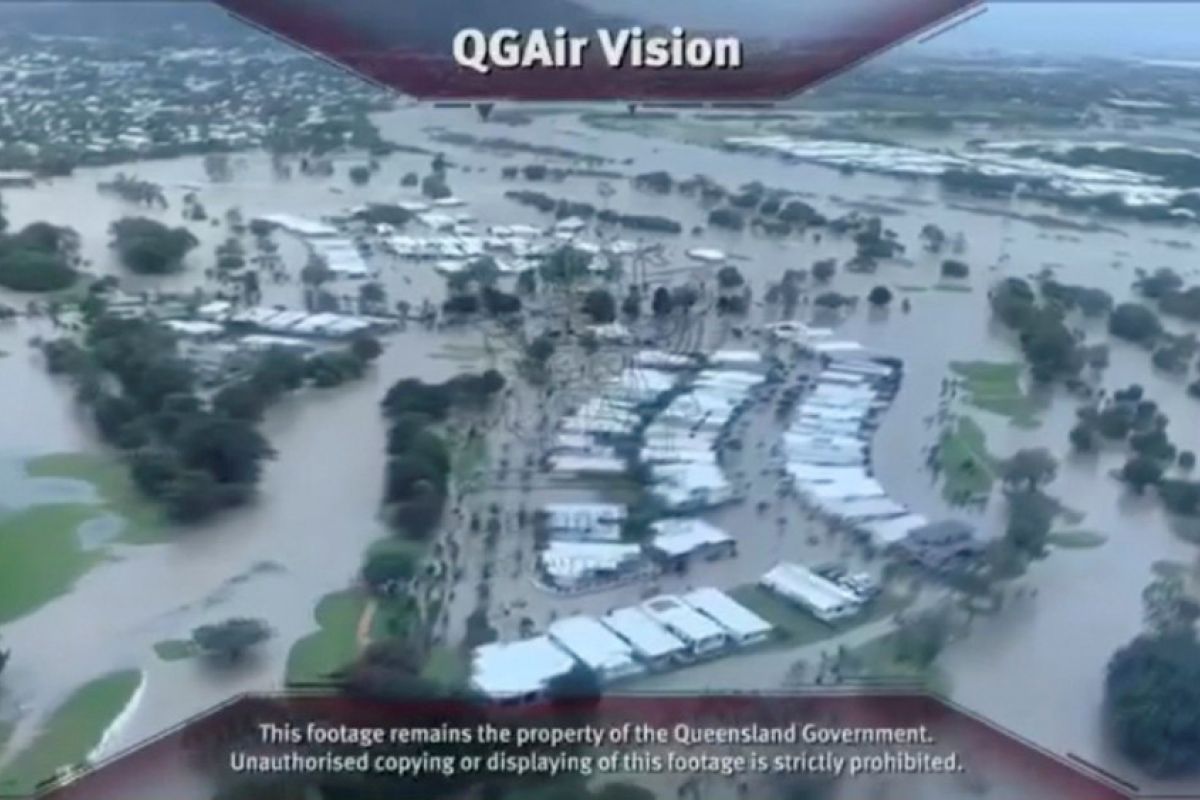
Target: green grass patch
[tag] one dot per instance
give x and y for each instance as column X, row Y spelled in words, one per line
column 6, row 729
column 956, row 288
column 447, row 666
column 175, row 649
column 967, row 469
column 71, row 732
column 798, row 627
column 912, row 289
column 1077, row 540
column 41, row 555
column 144, row 522
column 468, row 460
column 395, row 616
column 334, row 646
column 996, row 387
column 876, row 660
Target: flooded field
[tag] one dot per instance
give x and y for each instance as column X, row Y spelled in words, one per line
column 1037, row 667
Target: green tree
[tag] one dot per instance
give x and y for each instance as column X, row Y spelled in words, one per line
column 241, row 400
column 389, row 569
column 230, row 450
column 880, row 296
column 154, row 470
column 1029, row 467
column 1134, row 322
column 730, row 277
column 661, row 303
column 1083, row 438
column 1169, row 609
column 25, row 270
column 1152, row 699
column 953, row 268
column 365, row 347
column 278, row 371
column 600, row 306
column 540, row 350
column 149, row 247
column 824, row 270
column 230, row 639
column 1140, row 472
column 564, row 267
column 1030, row 517
column 921, row 639
column 579, row 683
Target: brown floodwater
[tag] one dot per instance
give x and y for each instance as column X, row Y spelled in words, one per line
column 1037, row 668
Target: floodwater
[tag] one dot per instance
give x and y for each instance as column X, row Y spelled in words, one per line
column 1038, row 669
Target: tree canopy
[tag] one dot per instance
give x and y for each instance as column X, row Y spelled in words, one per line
column 149, row 247
column 230, row 639
column 1152, row 693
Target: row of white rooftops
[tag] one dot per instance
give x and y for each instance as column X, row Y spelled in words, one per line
column 457, row 240
column 827, row 448
column 585, row 548
column 818, row 341
column 680, row 443
column 1137, row 188
column 340, row 256
column 581, row 441
column 296, row 323
column 655, row 634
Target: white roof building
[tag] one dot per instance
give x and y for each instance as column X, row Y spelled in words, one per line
column 888, row 532
column 649, row 640
column 702, row 634
column 735, row 358
column 607, row 654
column 825, row 599
column 517, row 670
column 743, row 624
column 680, row 537
column 573, row 564
column 196, row 328
column 598, row 464
column 663, row 360
column 300, row 225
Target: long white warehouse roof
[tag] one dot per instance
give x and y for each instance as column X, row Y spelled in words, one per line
column 593, row 644
column 801, row 584
column 648, row 638
column 682, row 618
column 731, row 614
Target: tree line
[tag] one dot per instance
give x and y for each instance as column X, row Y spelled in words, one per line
column 194, row 454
